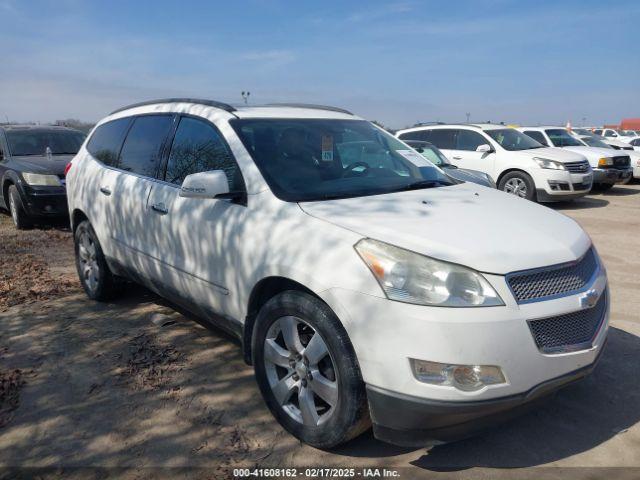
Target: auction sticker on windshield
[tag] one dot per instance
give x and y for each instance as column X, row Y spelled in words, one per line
column 415, row 158
column 327, row 148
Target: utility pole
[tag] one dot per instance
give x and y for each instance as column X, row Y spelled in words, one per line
column 245, row 97
column 468, row 116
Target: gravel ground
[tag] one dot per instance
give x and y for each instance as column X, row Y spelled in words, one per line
column 137, row 385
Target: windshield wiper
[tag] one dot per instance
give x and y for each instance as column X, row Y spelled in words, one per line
column 423, row 184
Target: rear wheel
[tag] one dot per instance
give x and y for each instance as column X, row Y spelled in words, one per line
column 307, row 371
column 519, row 184
column 97, row 280
column 18, row 214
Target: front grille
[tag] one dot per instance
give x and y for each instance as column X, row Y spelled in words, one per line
column 577, row 167
column 557, row 280
column 621, row 161
column 571, row 331
column 582, row 186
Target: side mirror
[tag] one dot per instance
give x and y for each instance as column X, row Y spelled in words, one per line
column 205, row 185
column 485, row 148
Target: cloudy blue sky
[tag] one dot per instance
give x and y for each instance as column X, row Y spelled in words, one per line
column 396, row 61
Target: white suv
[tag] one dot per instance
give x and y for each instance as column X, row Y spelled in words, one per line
column 518, row 164
column 365, row 285
column 609, row 166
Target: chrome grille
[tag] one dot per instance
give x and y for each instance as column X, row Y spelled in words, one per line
column 558, row 280
column 571, row 331
column 577, row 167
column 621, row 161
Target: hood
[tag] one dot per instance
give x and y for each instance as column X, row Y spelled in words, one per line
column 592, row 153
column 553, row 153
column 482, row 228
column 41, row 164
column 467, row 175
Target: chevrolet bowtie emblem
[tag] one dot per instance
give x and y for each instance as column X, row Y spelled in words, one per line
column 589, row 299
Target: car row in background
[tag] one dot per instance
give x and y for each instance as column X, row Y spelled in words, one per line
column 517, row 163
column 609, row 166
column 33, row 159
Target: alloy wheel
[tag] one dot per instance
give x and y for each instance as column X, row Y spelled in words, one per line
column 14, row 209
column 300, row 371
column 516, row 186
column 88, row 261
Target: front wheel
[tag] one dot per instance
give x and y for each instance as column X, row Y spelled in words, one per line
column 97, row 280
column 519, row 184
column 307, row 370
column 18, row 214
column 604, row 187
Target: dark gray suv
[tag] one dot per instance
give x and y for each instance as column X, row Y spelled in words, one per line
column 32, row 167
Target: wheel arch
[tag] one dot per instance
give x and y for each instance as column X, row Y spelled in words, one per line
column 77, row 216
column 262, row 292
column 510, row 170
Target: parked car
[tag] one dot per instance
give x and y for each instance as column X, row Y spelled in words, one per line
column 613, row 143
column 518, row 164
column 608, row 167
column 614, row 134
column 635, row 143
column 435, row 156
column 349, row 270
column 32, row 163
column 592, row 141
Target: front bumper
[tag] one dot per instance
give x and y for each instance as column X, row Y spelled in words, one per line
column 45, row 201
column 387, row 334
column 611, row 175
column 417, row 422
column 560, row 185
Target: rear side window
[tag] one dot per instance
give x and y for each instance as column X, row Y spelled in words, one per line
column 142, row 148
column 468, row 140
column 106, row 141
column 537, row 136
column 443, row 138
column 415, row 135
column 198, row 147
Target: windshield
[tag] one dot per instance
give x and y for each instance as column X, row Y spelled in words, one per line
column 512, row 140
column 35, row 141
column 629, row 133
column 594, row 142
column 582, row 131
column 561, row 138
column 308, row 160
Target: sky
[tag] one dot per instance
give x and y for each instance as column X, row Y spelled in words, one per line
column 398, row 62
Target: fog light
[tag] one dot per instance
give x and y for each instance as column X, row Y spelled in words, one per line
column 467, row 378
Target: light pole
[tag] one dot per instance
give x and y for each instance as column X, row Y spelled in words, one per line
column 245, row 97
column 468, row 115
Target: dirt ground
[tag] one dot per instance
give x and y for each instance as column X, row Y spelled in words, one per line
column 136, row 385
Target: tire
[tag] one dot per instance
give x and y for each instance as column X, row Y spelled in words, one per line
column 520, row 184
column 18, row 214
column 97, row 280
column 604, row 187
column 289, row 387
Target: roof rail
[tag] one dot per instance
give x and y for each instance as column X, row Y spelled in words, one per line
column 423, row 124
column 309, row 105
column 209, row 103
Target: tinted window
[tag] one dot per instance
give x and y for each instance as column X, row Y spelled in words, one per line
column 468, row 140
column 315, row 159
column 415, row 135
column 513, row 140
column 442, row 138
column 107, row 139
column 537, row 136
column 598, row 131
column 561, row 138
column 142, row 148
column 198, row 147
column 34, row 141
column 636, row 142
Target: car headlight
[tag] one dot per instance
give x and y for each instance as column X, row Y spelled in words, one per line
column 605, row 162
column 549, row 164
column 409, row 277
column 37, row 179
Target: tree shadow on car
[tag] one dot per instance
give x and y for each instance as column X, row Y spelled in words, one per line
column 576, row 420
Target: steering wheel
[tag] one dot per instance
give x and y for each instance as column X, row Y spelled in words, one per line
column 348, row 170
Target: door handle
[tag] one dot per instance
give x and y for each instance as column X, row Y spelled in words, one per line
column 105, row 190
column 160, row 208
column 456, row 157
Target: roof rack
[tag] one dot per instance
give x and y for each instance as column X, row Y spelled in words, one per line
column 309, row 105
column 209, row 103
column 424, row 124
